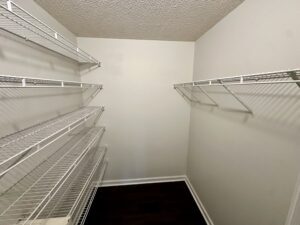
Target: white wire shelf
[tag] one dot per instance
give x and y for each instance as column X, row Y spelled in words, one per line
column 271, row 78
column 8, row 81
column 26, row 203
column 279, row 77
column 82, row 213
column 16, row 148
column 18, row 21
column 72, row 198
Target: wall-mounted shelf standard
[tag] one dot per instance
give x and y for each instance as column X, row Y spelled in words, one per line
column 16, row 148
column 8, row 81
column 271, row 78
column 18, row 21
column 30, row 204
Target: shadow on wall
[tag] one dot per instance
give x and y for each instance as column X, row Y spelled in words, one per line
column 20, row 108
column 272, row 106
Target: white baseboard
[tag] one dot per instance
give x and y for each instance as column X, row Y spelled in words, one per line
column 151, row 180
column 198, row 202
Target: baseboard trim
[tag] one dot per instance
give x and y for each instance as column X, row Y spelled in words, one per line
column 122, row 182
column 198, row 202
column 151, row 180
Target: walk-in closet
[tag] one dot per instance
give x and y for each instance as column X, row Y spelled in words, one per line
column 159, row 112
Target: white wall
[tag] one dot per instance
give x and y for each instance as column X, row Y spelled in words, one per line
column 245, row 168
column 146, row 120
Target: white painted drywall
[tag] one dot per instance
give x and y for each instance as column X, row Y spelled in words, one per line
column 146, row 120
column 20, row 108
column 244, row 169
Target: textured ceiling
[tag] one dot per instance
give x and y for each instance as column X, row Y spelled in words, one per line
column 176, row 20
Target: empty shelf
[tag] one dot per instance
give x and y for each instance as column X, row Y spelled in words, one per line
column 81, row 213
column 280, row 77
column 16, row 20
column 8, row 81
column 74, row 194
column 26, row 202
column 273, row 78
column 17, row 147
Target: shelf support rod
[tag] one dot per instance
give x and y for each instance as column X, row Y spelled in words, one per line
column 183, row 94
column 236, row 97
column 294, row 76
column 207, row 95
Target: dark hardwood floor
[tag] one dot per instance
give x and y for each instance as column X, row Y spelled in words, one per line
column 145, row 204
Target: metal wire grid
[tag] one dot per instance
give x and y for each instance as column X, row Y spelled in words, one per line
column 11, row 190
column 27, row 207
column 82, row 214
column 8, row 81
column 71, row 198
column 17, row 147
column 16, row 20
column 289, row 76
column 271, row 90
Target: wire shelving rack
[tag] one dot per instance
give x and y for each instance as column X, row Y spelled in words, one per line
column 270, row 78
column 49, row 171
column 29, row 204
column 74, row 195
column 8, row 81
column 18, row 21
column 16, row 148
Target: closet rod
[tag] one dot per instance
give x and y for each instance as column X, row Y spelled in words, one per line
column 8, row 81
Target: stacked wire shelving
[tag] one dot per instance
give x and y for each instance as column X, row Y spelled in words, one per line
column 16, row 148
column 49, row 172
column 16, row 20
column 44, row 185
column 286, row 77
column 60, row 180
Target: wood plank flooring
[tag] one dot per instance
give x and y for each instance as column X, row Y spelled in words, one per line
column 145, row 204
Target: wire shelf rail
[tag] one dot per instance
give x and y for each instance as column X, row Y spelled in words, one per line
column 271, row 78
column 18, row 21
column 27, row 204
column 16, row 148
column 8, row 81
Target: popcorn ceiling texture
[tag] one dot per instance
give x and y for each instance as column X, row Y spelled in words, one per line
column 174, row 20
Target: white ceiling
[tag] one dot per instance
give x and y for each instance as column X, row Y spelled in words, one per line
column 174, row 20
